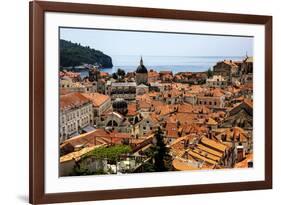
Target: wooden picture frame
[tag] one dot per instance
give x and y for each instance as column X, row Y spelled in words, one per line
column 37, row 96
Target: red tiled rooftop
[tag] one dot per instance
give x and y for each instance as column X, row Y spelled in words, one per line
column 230, row 62
column 217, row 92
column 64, row 91
column 152, row 74
column 96, row 137
column 132, row 109
column 97, row 99
column 185, row 108
column 181, row 165
column 72, row 100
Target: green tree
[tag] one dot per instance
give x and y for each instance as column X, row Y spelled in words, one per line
column 148, row 167
column 74, row 54
column 209, row 73
column 121, row 73
column 114, row 76
column 111, row 153
column 159, row 152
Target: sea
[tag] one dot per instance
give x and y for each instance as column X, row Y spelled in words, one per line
column 176, row 64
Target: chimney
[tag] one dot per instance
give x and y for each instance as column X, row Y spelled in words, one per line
column 240, row 153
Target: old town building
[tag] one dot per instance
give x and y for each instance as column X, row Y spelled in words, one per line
column 247, row 70
column 83, row 87
column 240, row 115
column 214, row 99
column 125, row 90
column 100, row 103
column 226, row 68
column 142, row 89
column 75, row 114
column 153, row 76
column 217, row 81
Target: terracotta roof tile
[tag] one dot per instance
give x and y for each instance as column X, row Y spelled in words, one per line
column 185, row 108
column 132, row 109
column 77, row 154
column 72, row 100
column 181, row 165
column 200, row 157
column 213, row 144
column 97, row 99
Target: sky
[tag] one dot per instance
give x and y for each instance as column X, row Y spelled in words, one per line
column 115, row 43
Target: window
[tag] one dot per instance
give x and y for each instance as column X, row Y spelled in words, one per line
column 144, row 128
column 210, row 103
column 95, row 113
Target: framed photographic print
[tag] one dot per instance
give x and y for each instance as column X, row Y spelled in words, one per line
column 138, row 102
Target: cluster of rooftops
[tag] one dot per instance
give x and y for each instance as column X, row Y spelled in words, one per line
column 199, row 136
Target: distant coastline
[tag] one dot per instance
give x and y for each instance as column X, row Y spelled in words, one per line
column 165, row 63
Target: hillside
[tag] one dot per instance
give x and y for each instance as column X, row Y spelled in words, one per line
column 73, row 54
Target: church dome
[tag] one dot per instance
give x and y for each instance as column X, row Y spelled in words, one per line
column 141, row 68
column 119, row 103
